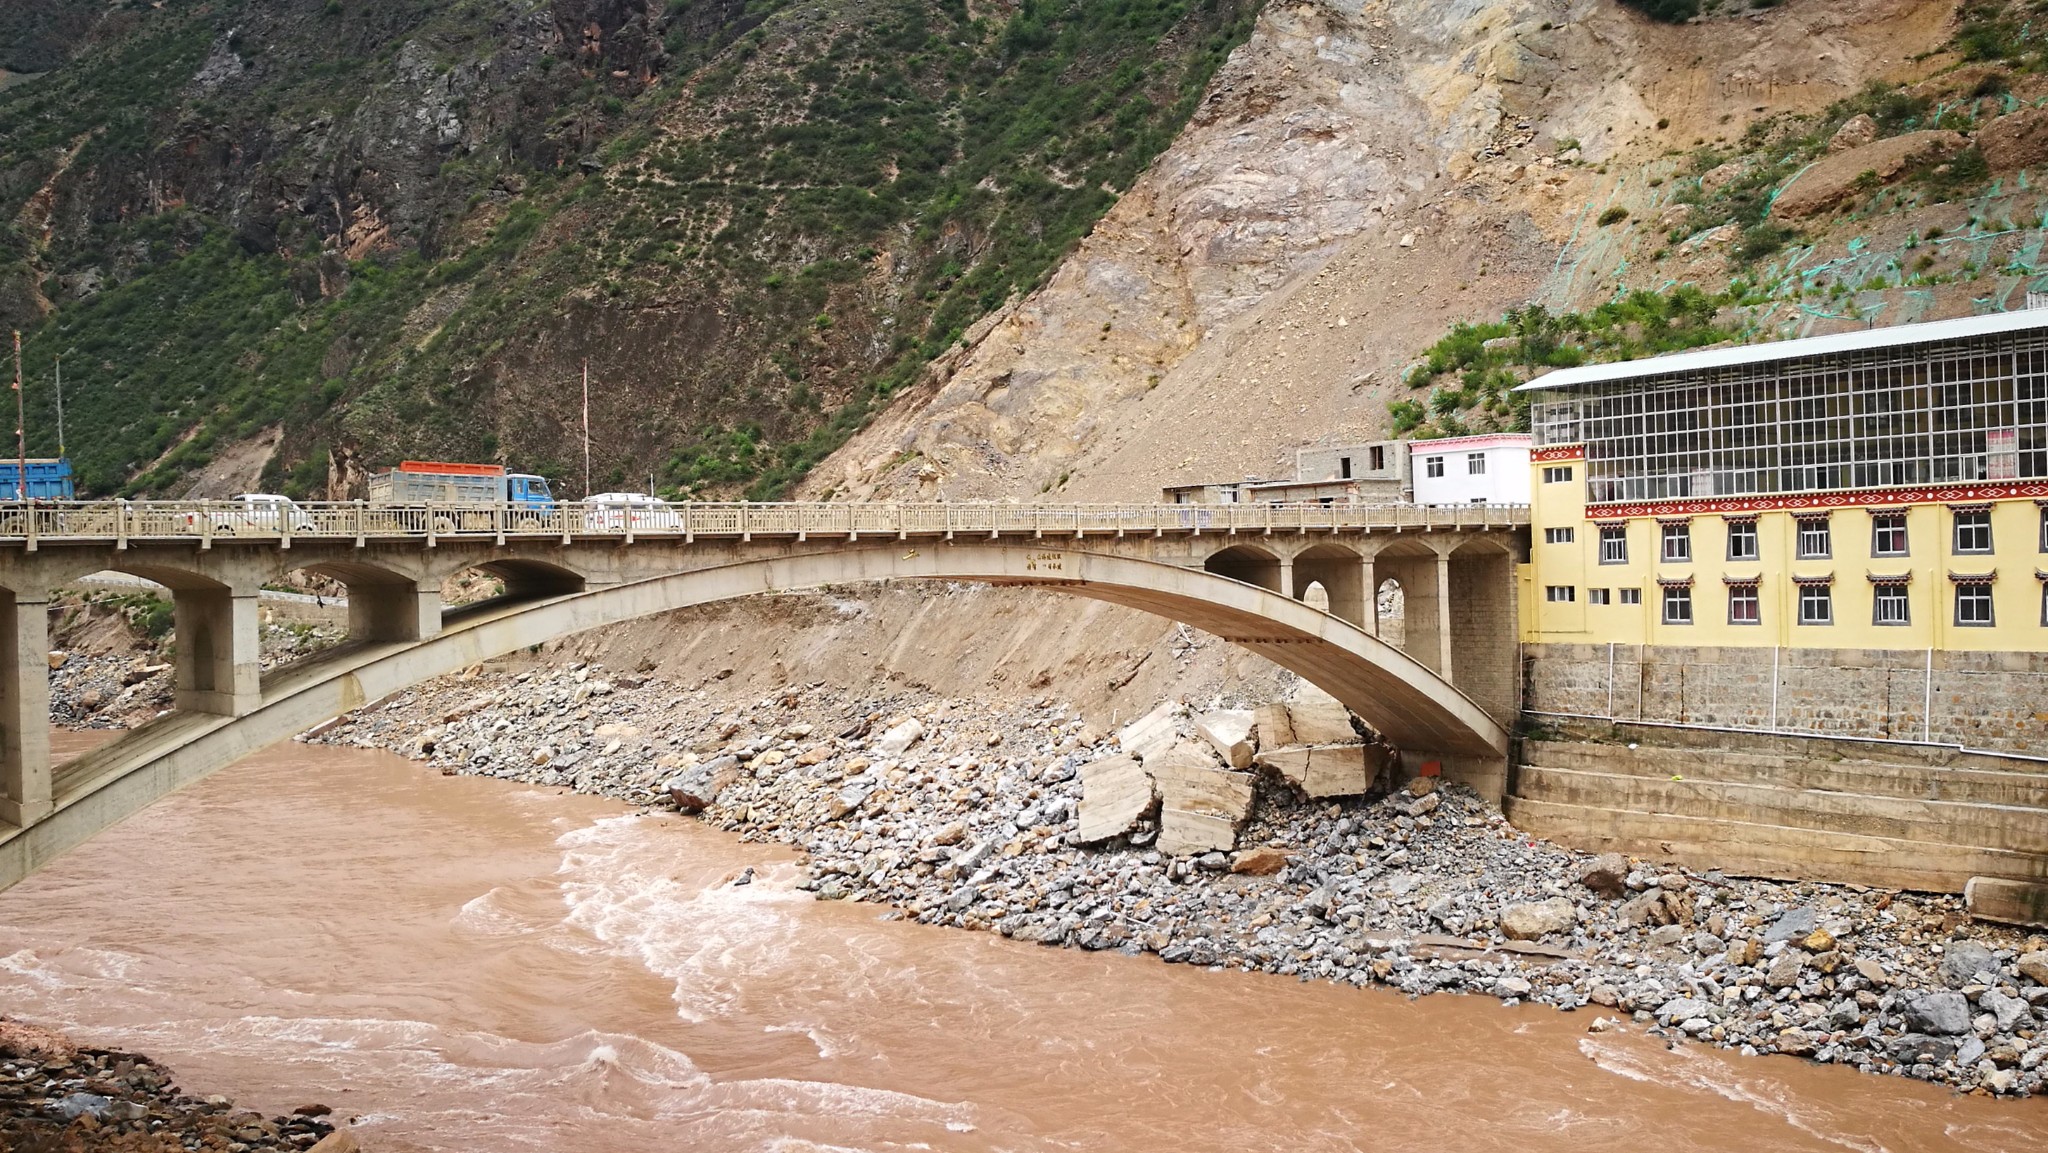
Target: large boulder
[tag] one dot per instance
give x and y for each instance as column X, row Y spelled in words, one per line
column 1318, row 719
column 1201, row 803
column 898, row 739
column 1832, row 180
column 1534, row 920
column 1116, row 793
column 1940, row 1014
column 698, row 788
column 2016, row 140
column 1855, row 132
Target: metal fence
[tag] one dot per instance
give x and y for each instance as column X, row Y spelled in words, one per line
column 207, row 521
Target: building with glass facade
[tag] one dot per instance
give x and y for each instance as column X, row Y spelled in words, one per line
column 1878, row 489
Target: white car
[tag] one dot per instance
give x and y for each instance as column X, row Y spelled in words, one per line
column 259, row 512
column 615, row 511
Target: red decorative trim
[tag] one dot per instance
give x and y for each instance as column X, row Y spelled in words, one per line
column 1963, row 578
column 1674, row 520
column 1736, row 580
column 1739, row 517
column 1972, row 506
column 1813, row 580
column 1904, row 578
column 1558, row 452
column 1675, row 582
column 1890, row 496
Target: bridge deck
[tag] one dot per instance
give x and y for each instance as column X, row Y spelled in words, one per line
column 206, row 521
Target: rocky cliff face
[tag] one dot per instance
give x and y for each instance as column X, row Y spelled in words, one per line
column 1360, row 177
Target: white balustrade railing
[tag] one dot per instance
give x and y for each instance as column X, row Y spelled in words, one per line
column 208, row 521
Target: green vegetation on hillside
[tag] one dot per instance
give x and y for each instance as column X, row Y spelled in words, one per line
column 803, row 203
column 1471, row 373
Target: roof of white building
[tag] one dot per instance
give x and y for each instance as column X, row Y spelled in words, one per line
column 1475, row 440
column 1859, row 340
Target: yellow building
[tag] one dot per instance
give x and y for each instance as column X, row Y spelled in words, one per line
column 1875, row 490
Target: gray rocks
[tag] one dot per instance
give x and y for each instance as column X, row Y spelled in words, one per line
column 1785, row 969
column 1534, row 920
column 2007, row 1013
column 1793, row 925
column 1961, row 961
column 1940, row 1014
column 699, row 788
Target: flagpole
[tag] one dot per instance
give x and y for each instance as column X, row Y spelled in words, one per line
column 20, row 427
column 60, row 406
column 586, row 428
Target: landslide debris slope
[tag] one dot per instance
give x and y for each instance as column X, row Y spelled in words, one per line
column 1362, row 178
column 311, row 236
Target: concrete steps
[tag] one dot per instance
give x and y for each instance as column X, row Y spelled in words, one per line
column 1765, row 807
column 1786, row 852
column 2012, row 786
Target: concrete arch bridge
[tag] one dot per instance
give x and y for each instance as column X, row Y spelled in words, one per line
column 1447, row 693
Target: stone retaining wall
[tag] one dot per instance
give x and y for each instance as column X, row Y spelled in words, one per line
column 1982, row 700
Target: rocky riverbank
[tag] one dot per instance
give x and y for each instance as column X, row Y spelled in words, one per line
column 59, row 1097
column 965, row 813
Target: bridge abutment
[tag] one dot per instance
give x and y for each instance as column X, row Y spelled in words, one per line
column 25, row 793
column 218, row 633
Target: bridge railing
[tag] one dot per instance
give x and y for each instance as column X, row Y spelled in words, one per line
column 121, row 521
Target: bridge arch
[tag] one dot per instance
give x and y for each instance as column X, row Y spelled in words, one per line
column 1417, row 710
column 1251, row 564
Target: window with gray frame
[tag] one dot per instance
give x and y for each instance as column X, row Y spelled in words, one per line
column 1744, row 607
column 1973, row 603
column 1887, row 534
column 1973, row 530
column 1742, row 538
column 1677, row 542
column 1815, row 541
column 1816, row 603
column 1475, row 463
column 1433, row 466
column 1890, row 604
column 1613, row 544
column 1677, row 604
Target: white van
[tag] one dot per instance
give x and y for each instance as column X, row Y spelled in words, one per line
column 614, row 511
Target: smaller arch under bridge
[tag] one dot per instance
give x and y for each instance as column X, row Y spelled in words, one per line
column 1446, row 691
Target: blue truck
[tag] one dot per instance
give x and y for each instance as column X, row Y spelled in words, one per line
column 49, row 478
column 449, row 487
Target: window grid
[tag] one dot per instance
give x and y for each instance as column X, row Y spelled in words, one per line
column 1744, row 606
column 1598, row 596
column 1475, row 464
column 1561, row 594
column 1631, row 596
column 1890, row 606
column 1557, row 474
column 1677, row 604
column 1433, row 466
column 1559, row 535
column 1973, row 530
column 1742, row 538
column 1677, row 543
column 1962, row 410
column 1816, row 603
column 1815, row 541
column 1973, row 604
column 1613, row 544
column 1888, row 534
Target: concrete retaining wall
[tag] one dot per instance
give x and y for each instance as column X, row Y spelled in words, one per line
column 1981, row 700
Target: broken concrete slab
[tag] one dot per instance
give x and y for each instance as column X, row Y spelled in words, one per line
column 1324, row 770
column 1201, row 804
column 1318, row 719
column 1152, row 733
column 1116, row 793
column 1230, row 730
column 1275, row 729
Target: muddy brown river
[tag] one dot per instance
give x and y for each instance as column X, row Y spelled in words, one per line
column 472, row 965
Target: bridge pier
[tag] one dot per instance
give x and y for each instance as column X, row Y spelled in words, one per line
column 218, row 631
column 25, row 796
column 394, row 612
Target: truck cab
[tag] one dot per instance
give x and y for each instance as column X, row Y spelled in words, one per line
column 527, row 490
